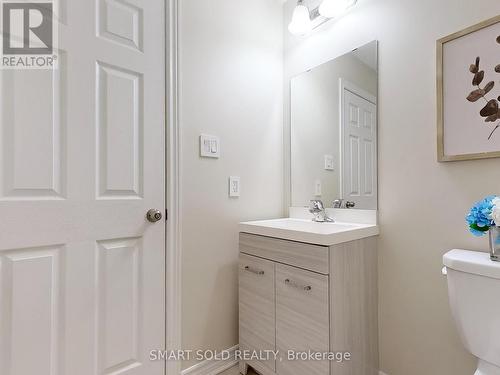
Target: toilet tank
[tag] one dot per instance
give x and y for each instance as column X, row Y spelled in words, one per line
column 474, row 294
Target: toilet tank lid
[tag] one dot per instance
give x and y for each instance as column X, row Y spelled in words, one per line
column 474, row 262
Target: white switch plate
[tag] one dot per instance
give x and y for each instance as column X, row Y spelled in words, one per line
column 209, row 146
column 329, row 163
column 317, row 188
column 234, row 186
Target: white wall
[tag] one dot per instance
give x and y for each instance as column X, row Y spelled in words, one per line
column 231, row 57
column 422, row 203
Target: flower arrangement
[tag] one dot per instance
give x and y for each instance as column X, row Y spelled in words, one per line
column 484, row 215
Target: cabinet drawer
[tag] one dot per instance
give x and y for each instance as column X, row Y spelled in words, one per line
column 310, row 257
column 257, row 305
column 302, row 319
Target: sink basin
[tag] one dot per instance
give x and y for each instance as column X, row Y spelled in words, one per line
column 308, row 231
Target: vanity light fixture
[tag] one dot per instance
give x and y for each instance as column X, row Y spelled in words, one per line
column 303, row 20
column 333, row 8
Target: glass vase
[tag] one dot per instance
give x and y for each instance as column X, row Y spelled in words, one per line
column 495, row 243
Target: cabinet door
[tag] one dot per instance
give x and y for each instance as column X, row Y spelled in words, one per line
column 302, row 319
column 257, row 306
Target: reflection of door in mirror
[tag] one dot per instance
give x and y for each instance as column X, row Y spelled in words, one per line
column 359, row 143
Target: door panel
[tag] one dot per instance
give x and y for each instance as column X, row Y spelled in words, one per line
column 39, row 130
column 257, row 306
column 119, row 296
column 82, row 160
column 120, row 132
column 353, row 166
column 31, row 312
column 302, row 319
column 121, row 22
column 360, row 151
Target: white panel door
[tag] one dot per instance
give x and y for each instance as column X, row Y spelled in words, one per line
column 359, row 166
column 81, row 162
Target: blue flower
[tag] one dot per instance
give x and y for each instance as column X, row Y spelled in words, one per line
column 479, row 217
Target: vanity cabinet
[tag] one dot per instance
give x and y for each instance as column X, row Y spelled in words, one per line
column 308, row 298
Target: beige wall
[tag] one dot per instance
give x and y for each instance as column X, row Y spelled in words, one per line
column 422, row 203
column 231, row 86
column 231, row 59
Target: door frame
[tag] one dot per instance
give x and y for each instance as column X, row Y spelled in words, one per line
column 173, row 190
column 344, row 85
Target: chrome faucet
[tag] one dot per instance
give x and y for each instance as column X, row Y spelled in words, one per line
column 318, row 210
column 340, row 203
column 337, row 203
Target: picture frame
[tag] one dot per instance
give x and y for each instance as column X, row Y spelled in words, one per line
column 461, row 132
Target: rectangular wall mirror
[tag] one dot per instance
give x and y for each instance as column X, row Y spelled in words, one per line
column 334, row 131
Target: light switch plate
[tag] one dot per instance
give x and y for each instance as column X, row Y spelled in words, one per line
column 234, row 186
column 317, row 188
column 209, row 146
column 329, row 163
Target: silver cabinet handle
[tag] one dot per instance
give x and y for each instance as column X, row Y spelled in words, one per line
column 257, row 272
column 295, row 285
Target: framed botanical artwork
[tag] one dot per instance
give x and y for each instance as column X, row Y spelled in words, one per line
column 468, row 93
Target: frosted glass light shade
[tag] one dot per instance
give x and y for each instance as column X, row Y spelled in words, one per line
column 301, row 20
column 334, row 8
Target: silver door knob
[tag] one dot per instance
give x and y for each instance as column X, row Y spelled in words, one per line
column 154, row 215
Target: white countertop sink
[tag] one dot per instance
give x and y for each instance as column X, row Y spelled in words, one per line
column 308, row 231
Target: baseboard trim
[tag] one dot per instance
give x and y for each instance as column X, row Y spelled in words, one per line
column 214, row 367
column 217, row 366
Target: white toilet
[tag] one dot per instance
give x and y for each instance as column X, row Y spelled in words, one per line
column 474, row 292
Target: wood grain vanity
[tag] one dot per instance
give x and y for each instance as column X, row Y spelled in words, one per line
column 307, row 297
